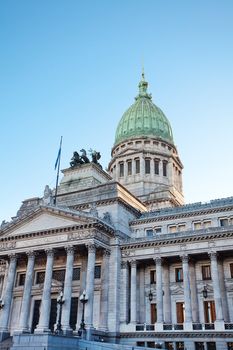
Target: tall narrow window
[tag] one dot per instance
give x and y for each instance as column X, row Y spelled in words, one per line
column 153, row 312
column 156, row 164
column 209, row 311
column 164, row 168
column 137, row 165
column 129, row 167
column 231, row 270
column 206, row 272
column 179, row 274
column 152, row 276
column 180, row 312
column 121, row 169
column 147, row 166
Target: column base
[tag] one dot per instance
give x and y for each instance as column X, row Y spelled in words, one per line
column 188, row 326
column 158, row 326
column 4, row 335
column 22, row 331
column 67, row 331
column 42, row 330
column 219, row 325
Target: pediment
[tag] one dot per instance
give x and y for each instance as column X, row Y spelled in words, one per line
column 45, row 219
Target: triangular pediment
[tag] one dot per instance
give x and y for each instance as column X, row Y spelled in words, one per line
column 45, row 219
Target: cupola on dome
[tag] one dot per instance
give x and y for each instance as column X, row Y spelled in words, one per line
column 143, row 119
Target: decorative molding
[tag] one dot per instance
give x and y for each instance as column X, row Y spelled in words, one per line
column 106, row 253
column 69, row 250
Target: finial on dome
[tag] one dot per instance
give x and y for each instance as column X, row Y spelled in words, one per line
column 143, row 86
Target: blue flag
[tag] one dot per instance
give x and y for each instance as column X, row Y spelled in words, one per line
column 58, row 155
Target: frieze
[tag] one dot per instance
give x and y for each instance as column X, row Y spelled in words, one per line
column 80, row 235
column 41, row 241
column 178, row 334
column 7, row 245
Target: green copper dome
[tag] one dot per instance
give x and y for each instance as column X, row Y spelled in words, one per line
column 143, row 118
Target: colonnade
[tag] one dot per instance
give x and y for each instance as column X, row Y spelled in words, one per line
column 163, row 293
column 43, row 325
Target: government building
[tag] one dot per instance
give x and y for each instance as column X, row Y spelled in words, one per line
column 116, row 256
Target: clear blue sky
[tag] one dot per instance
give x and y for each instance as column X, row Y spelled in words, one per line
column 72, row 68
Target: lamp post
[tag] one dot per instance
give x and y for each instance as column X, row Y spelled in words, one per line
column 150, row 295
column 60, row 302
column 83, row 299
column 205, row 292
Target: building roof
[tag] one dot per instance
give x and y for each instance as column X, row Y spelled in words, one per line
column 143, row 118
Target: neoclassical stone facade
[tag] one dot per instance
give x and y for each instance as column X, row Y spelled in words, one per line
column 155, row 271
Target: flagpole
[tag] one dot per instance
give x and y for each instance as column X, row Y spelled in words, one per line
column 58, row 170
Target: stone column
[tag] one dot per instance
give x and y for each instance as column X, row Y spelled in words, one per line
column 90, row 285
column 133, row 295
column 43, row 326
column 159, row 291
column 65, row 319
column 25, row 308
column 167, row 294
column 124, row 305
column 7, row 299
column 104, row 292
column 142, row 166
column 187, row 294
column 193, row 287
column 216, row 287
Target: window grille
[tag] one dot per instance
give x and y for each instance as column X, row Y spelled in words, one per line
column 156, row 163
column 21, row 279
column 206, row 272
column 137, row 163
column 121, row 169
column 59, row 275
column 76, row 274
column 179, row 274
column 97, row 271
column 147, row 166
column 129, row 167
column 40, row 277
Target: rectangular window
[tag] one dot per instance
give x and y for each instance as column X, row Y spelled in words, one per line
column 21, row 279
column 179, row 345
column 59, row 275
column 147, row 166
column 164, row 168
column 151, row 344
column 223, row 222
column 97, row 271
column 149, row 233
column 231, row 270
column 180, row 312
column 156, row 163
column 137, row 165
column 172, row 229
column 209, row 311
column 76, row 274
column 207, row 224
column 206, row 272
column 169, row 345
column 141, row 343
column 211, row 345
column 199, row 345
column 158, row 230
column 121, row 169
column 197, row 225
column 152, row 276
column 129, row 163
column 153, row 313
column 181, row 227
column 40, row 277
column 179, row 274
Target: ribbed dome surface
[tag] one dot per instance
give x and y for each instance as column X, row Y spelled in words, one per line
column 143, row 118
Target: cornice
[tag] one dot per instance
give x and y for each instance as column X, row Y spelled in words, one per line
column 162, row 241
column 178, row 334
column 51, row 232
column 180, row 215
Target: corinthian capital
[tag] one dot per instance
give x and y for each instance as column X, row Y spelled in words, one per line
column 49, row 252
column 91, row 247
column 213, row 255
column 69, row 250
column 185, row 258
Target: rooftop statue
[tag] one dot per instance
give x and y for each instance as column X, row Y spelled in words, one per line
column 77, row 159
